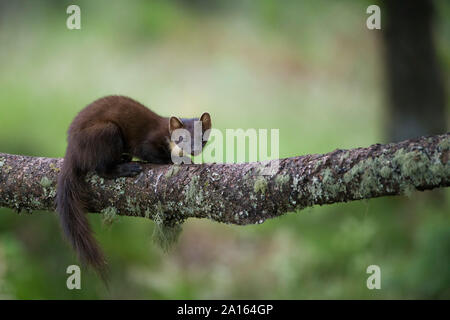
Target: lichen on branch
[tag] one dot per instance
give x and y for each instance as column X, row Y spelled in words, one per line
column 237, row 193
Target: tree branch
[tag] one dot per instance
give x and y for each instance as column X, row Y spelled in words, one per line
column 237, row 193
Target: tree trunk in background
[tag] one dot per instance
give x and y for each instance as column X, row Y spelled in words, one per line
column 414, row 81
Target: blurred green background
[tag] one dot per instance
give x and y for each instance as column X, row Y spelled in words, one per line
column 310, row 68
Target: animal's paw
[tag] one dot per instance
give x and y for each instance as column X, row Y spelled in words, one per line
column 129, row 169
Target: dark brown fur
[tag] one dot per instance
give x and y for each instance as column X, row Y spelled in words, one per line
column 104, row 137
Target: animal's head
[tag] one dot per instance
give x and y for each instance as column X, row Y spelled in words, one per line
column 189, row 136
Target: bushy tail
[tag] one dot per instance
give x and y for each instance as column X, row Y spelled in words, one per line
column 71, row 207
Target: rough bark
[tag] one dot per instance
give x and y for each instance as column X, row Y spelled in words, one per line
column 237, row 193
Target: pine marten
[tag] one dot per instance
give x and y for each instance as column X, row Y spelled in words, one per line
column 104, row 137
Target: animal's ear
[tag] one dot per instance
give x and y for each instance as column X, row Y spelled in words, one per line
column 206, row 121
column 175, row 123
